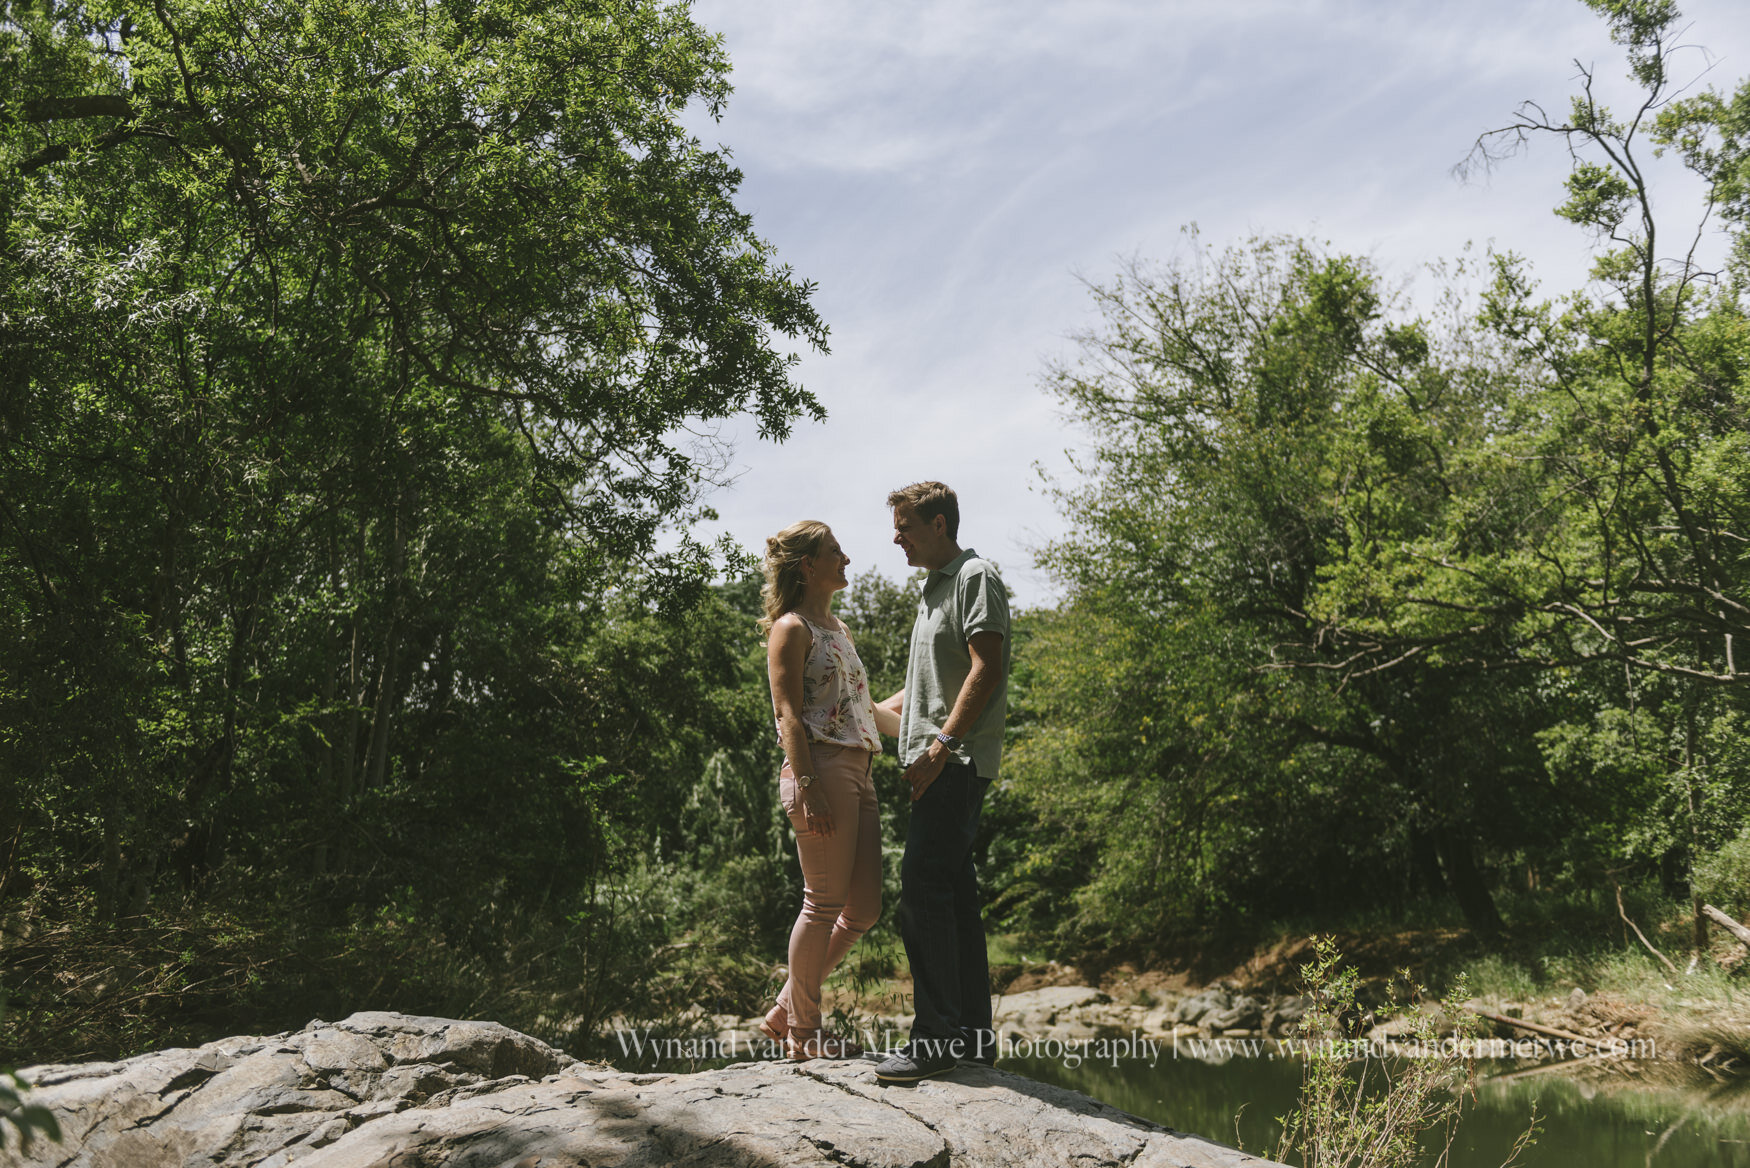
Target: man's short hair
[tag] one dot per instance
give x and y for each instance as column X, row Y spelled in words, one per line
column 930, row 500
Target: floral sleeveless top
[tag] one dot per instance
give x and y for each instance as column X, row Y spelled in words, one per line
column 836, row 706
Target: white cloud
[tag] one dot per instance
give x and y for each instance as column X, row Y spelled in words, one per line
column 945, row 169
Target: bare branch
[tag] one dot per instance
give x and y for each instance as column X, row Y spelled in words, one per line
column 1624, row 914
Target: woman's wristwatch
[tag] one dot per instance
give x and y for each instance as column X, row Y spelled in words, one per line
column 804, row 781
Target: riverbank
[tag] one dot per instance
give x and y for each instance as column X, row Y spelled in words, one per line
column 1632, row 1017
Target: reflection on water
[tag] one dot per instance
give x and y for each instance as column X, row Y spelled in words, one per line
column 1614, row 1122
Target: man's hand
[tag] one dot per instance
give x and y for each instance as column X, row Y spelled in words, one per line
column 926, row 770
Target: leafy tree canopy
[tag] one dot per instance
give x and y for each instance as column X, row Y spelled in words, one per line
column 221, row 216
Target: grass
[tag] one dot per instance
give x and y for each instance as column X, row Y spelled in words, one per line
column 1630, row 974
column 1493, row 975
column 1012, row 949
column 1555, row 945
column 1698, row 1016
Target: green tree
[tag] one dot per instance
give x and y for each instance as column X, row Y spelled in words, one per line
column 352, row 358
column 1473, row 577
column 1266, row 421
column 1612, row 543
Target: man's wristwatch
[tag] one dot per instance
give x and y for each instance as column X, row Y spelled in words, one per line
column 948, row 740
column 804, row 781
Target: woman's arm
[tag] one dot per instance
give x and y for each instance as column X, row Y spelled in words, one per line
column 887, row 714
column 786, row 658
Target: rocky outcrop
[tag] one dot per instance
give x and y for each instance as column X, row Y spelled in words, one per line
column 1220, row 1010
column 380, row 1090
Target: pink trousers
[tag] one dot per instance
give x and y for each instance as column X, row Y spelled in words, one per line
column 841, row 874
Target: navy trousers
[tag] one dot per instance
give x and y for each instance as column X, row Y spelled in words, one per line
column 939, row 917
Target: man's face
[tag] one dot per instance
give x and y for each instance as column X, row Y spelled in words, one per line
column 915, row 537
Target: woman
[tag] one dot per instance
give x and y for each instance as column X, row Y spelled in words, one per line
column 830, row 731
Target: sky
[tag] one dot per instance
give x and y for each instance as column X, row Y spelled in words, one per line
column 953, row 174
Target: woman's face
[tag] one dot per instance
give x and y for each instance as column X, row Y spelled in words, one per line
column 829, row 565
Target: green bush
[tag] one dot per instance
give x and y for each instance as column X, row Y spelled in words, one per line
column 1723, row 878
column 1365, row 1112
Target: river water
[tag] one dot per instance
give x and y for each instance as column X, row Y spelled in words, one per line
column 1607, row 1123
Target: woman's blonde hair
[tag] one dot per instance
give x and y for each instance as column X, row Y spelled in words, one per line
column 784, row 555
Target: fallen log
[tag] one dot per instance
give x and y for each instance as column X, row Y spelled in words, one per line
column 1731, row 926
column 1597, row 1044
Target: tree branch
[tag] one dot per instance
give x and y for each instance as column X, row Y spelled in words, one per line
column 1623, row 913
column 54, row 109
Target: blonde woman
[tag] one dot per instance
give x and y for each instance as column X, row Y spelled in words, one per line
column 830, row 730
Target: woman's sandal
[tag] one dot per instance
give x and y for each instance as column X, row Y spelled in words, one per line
column 776, row 1024
column 812, row 1044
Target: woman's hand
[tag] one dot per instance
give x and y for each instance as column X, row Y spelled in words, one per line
column 815, row 809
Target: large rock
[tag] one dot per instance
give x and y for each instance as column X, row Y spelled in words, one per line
column 1243, row 1012
column 1066, row 1013
column 385, row 1089
column 1050, row 1001
column 1196, row 1009
column 1286, row 1013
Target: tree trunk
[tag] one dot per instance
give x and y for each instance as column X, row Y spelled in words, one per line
column 387, row 680
column 1699, row 925
column 326, row 809
column 109, row 880
column 1467, row 884
column 355, row 683
column 1427, row 862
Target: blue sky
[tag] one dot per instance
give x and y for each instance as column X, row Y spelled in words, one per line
column 949, row 173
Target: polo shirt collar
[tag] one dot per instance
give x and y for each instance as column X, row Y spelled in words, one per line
column 953, row 566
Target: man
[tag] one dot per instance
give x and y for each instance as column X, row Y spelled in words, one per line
column 950, row 742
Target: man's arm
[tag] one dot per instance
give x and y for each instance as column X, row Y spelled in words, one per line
column 981, row 681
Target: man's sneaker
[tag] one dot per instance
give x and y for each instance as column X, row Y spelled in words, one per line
column 981, row 1049
column 877, row 1055
column 915, row 1061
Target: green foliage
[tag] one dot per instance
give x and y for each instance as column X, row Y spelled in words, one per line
column 1365, row 602
column 1643, row 27
column 879, row 613
column 1722, row 877
column 1272, row 429
column 1370, row 1114
column 1597, row 198
column 27, row 1119
column 347, row 358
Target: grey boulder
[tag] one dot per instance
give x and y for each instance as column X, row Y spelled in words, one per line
column 381, row 1089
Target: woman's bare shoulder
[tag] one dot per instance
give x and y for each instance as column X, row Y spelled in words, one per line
column 789, row 627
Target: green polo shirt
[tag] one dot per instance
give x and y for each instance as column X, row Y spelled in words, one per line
column 963, row 597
